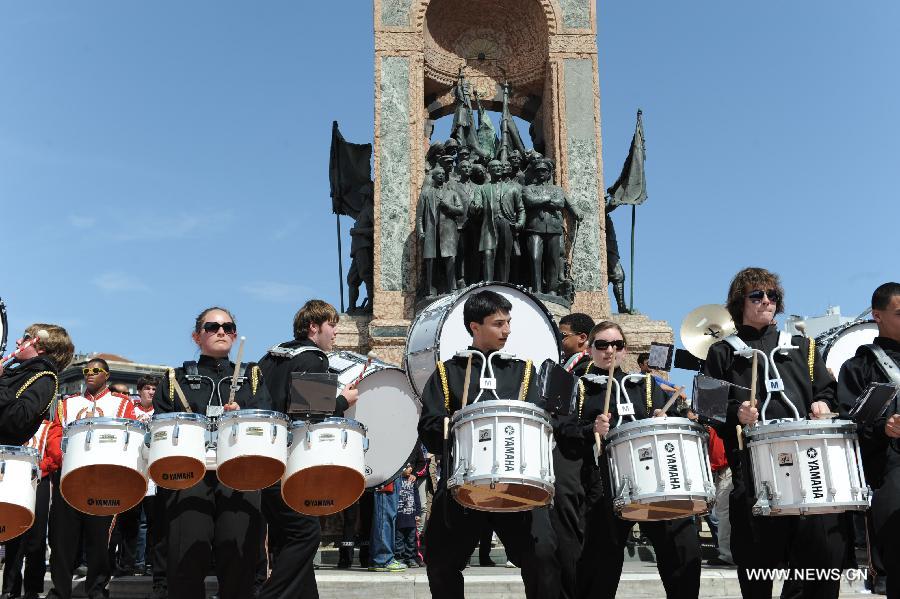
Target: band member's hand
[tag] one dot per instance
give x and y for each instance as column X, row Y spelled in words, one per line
column 820, row 409
column 601, row 424
column 230, row 407
column 657, row 413
column 892, row 427
column 351, row 394
column 747, row 415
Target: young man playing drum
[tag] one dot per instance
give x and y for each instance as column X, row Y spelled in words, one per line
column 878, row 441
column 754, row 298
column 452, row 530
column 294, row 536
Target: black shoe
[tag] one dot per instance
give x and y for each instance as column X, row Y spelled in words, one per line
column 717, row 561
column 486, row 563
column 81, row 571
column 343, row 565
column 880, row 587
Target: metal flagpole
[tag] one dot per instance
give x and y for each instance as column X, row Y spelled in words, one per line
column 631, row 287
column 337, row 220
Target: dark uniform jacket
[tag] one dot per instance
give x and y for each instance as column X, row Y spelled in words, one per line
column 277, row 372
column 879, row 455
column 513, row 376
column 25, row 396
column 436, row 220
column 543, row 205
column 215, row 384
column 499, row 204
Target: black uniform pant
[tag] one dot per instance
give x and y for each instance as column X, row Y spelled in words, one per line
column 453, row 531
column 818, row 542
column 566, row 516
column 212, row 518
column 297, row 540
column 158, row 535
column 68, row 529
column 886, row 524
column 30, row 548
column 123, row 540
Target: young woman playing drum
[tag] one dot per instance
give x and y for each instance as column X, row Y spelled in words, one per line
column 675, row 541
column 209, row 517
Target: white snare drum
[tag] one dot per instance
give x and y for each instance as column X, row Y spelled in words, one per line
column 840, row 343
column 806, row 467
column 387, row 407
column 177, row 457
column 19, row 474
column 104, row 465
column 438, row 332
column 326, row 466
column 502, row 456
column 659, row 469
column 251, row 448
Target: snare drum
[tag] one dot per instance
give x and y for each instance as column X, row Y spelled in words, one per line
column 387, row 407
column 251, row 448
column 104, row 465
column 177, row 457
column 326, row 467
column 19, row 474
column 659, row 469
column 502, row 456
column 438, row 332
column 806, row 467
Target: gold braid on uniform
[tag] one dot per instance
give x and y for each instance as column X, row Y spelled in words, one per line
column 254, row 379
column 36, row 377
column 442, row 371
column 580, row 398
column 588, row 369
column 172, row 385
column 525, row 380
column 648, row 392
column 812, row 358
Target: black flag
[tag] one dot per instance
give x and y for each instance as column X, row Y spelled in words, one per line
column 631, row 186
column 350, row 173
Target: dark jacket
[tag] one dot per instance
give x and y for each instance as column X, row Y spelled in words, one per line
column 277, row 372
column 22, row 405
column 214, row 384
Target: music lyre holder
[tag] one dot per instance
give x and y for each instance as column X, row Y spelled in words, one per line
column 313, row 396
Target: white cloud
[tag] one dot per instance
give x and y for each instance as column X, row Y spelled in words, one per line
column 82, row 222
column 166, row 226
column 273, row 291
column 118, row 281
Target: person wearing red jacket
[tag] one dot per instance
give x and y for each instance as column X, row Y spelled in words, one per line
column 31, row 547
column 718, row 462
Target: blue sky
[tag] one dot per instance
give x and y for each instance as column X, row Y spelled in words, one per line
column 156, row 158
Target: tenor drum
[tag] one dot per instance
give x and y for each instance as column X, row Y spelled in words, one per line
column 659, row 469
column 251, row 448
column 502, row 456
column 840, row 344
column 326, row 466
column 177, row 457
column 806, row 467
column 19, row 474
column 437, row 332
column 387, row 407
column 104, row 465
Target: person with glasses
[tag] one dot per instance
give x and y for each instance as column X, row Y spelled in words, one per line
column 70, row 528
column 755, row 297
column 675, row 542
column 294, row 537
column 209, row 519
column 575, row 328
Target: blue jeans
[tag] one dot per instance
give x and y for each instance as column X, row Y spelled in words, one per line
column 384, row 525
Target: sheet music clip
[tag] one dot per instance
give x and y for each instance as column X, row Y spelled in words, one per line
column 873, row 403
column 710, row 398
column 558, row 388
column 313, row 396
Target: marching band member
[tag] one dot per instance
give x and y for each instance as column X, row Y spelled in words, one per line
column 878, row 443
column 67, row 525
column 575, row 329
column 297, row 534
column 210, row 517
column 26, row 390
column 754, row 298
column 31, row 547
column 452, row 531
column 675, row 541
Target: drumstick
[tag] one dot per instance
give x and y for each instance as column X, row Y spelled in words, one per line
column 41, row 335
column 369, row 357
column 672, row 399
column 753, row 376
column 597, row 440
column 237, row 369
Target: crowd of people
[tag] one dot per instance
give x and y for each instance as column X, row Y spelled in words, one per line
column 258, row 547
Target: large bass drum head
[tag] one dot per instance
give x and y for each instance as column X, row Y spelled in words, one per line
column 843, row 346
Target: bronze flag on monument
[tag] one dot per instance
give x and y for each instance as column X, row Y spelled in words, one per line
column 631, row 186
column 349, row 171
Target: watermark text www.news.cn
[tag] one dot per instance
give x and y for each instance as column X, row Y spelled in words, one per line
column 807, row 574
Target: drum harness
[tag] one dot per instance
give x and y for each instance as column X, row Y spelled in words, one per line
column 888, row 369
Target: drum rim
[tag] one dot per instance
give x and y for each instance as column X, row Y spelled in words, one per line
column 436, row 347
column 663, row 424
column 638, row 497
column 20, row 450
column 788, row 509
column 254, row 413
column 333, row 420
column 178, row 416
column 105, row 421
column 826, row 427
column 376, row 362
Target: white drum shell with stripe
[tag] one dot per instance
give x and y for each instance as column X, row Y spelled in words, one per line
column 177, row 435
column 246, row 435
column 20, row 467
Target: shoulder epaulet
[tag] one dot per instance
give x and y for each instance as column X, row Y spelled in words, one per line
column 171, row 373
column 292, row 352
column 445, row 387
column 811, row 358
column 254, row 377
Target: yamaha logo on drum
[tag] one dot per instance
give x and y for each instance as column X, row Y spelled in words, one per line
column 318, row 502
column 670, row 447
column 815, row 473
column 509, row 448
column 811, row 453
column 104, row 502
column 178, row 476
column 672, row 466
column 108, row 438
column 160, row 436
column 254, row 431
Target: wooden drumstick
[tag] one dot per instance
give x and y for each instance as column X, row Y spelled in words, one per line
column 237, row 370
column 597, row 439
column 672, row 399
column 369, row 357
column 753, row 376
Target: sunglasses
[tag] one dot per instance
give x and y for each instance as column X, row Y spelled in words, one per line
column 602, row 344
column 757, row 295
column 213, row 327
column 93, row 370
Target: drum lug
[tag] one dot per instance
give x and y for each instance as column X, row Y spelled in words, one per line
column 274, row 433
column 175, row 434
column 35, row 473
column 344, row 438
column 234, row 428
column 308, row 437
column 147, row 438
column 87, row 437
column 127, row 439
column 365, row 444
column 687, row 484
column 64, row 444
column 2, row 469
column 762, row 507
column 290, row 438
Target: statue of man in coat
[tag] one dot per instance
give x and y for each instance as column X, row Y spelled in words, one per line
column 502, row 213
column 436, row 225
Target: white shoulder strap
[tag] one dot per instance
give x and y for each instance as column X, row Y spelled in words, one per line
column 885, row 363
column 292, row 352
column 736, row 343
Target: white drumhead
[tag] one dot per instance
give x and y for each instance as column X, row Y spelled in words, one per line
column 390, row 412
column 847, row 342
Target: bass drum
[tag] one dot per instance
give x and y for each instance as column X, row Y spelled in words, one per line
column 438, row 333
column 387, row 408
column 840, row 344
column 3, row 327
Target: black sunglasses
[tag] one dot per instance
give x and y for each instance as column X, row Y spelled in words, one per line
column 602, row 344
column 757, row 295
column 213, row 327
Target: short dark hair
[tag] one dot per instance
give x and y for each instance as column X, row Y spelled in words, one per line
column 99, row 361
column 751, row 278
column 147, row 380
column 882, row 296
column 579, row 322
column 480, row 305
column 315, row 311
column 642, row 357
